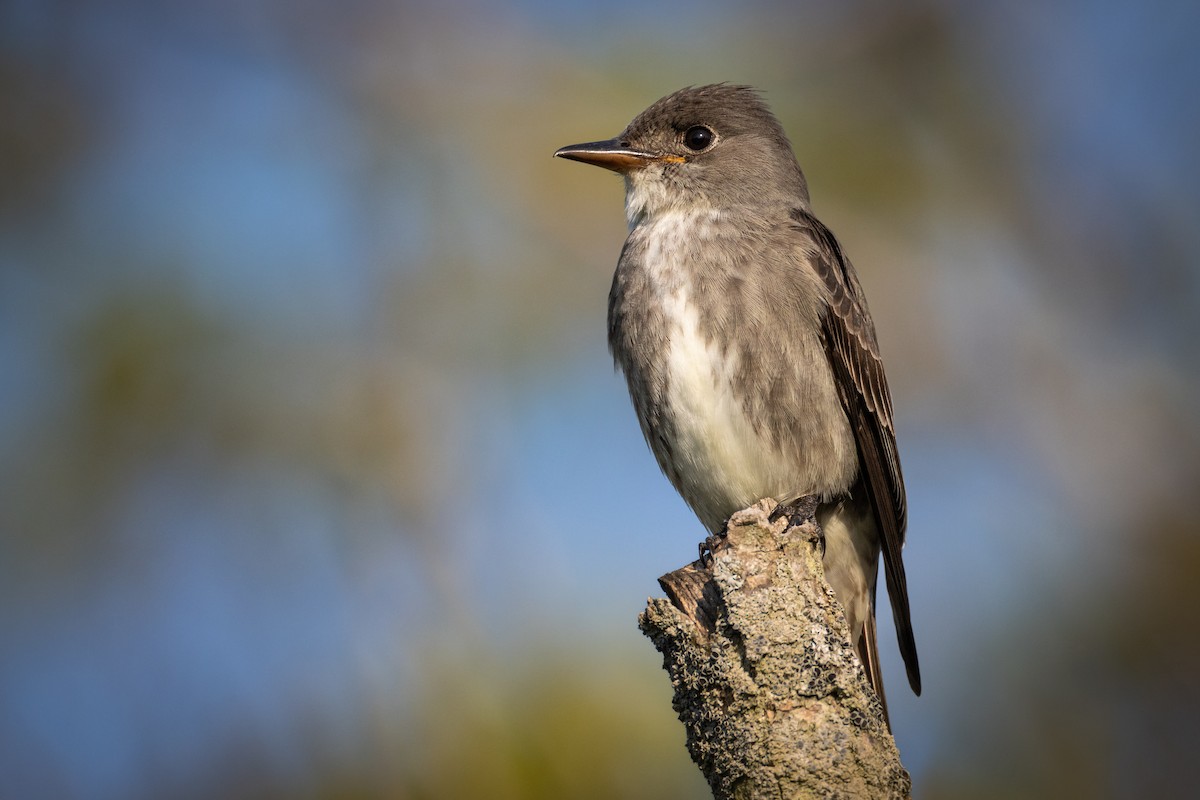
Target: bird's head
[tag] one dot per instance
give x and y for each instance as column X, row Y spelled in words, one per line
column 712, row 147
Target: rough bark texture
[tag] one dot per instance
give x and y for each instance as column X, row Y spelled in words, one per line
column 774, row 699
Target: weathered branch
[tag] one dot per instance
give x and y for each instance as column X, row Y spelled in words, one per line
column 774, row 699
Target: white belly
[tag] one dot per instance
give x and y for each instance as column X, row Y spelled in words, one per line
column 723, row 462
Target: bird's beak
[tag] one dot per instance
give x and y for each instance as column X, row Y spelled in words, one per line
column 611, row 154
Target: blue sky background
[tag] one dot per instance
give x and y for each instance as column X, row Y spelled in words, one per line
column 314, row 467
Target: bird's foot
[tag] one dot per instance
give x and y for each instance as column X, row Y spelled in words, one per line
column 709, row 546
column 797, row 513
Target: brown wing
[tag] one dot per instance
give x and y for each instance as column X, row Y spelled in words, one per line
column 853, row 353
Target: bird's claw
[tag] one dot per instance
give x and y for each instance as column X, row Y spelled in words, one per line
column 797, row 513
column 709, row 546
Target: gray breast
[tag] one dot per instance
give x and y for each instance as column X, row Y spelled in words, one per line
column 725, row 366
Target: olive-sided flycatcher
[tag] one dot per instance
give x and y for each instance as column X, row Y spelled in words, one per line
column 745, row 338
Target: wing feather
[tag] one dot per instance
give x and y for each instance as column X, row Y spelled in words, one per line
column 853, row 352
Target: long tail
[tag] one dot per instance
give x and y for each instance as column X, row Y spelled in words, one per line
column 868, row 653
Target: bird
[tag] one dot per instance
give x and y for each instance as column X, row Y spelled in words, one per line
column 751, row 357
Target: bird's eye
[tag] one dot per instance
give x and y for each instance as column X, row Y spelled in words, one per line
column 697, row 137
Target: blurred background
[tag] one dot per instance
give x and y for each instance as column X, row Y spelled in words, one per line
column 315, row 476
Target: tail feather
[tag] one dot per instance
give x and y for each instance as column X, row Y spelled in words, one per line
column 868, row 653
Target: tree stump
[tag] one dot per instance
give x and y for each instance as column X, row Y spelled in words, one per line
column 767, row 683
